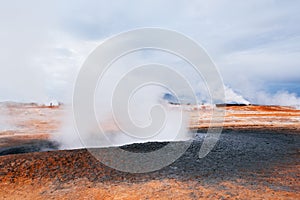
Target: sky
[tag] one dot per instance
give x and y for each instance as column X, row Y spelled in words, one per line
column 255, row 44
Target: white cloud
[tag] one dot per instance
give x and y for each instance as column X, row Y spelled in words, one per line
column 44, row 43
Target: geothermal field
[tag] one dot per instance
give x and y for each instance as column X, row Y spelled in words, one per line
column 256, row 157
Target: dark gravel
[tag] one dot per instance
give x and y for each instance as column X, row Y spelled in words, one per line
column 251, row 156
column 29, row 147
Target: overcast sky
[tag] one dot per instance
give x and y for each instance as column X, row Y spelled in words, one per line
column 255, row 44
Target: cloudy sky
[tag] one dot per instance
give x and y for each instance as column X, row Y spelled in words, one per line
column 255, row 44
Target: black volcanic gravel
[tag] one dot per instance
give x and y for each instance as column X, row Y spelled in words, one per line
column 235, row 155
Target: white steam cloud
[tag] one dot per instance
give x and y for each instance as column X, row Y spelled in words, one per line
column 140, row 107
column 282, row 98
column 233, row 97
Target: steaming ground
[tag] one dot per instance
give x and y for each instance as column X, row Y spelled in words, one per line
column 38, row 128
column 241, row 162
column 258, row 151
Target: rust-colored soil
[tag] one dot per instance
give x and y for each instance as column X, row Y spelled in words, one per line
column 275, row 118
column 76, row 174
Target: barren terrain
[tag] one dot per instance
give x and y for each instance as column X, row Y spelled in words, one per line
column 256, row 157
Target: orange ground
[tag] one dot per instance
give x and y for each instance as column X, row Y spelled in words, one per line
column 275, row 118
column 51, row 175
column 45, row 175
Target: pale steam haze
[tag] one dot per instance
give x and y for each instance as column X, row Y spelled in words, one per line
column 254, row 44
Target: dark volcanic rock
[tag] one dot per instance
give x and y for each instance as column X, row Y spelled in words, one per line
column 29, row 147
column 235, row 155
column 144, row 147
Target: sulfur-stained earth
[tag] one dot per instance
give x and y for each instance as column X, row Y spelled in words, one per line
column 257, row 157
